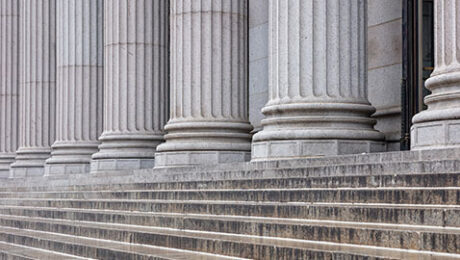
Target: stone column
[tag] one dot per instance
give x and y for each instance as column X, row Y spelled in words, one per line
column 9, row 83
column 209, row 88
column 78, row 86
column 439, row 125
column 37, row 89
column 136, row 83
column 318, row 102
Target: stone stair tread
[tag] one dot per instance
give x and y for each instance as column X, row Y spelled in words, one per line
column 236, row 238
column 35, row 253
column 233, row 202
column 252, row 219
column 146, row 250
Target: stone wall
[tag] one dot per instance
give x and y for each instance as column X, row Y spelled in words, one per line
column 385, row 66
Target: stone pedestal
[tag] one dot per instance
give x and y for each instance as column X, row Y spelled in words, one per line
column 37, row 86
column 9, row 83
column 136, row 83
column 79, row 86
column 209, row 95
column 318, row 102
column 439, row 125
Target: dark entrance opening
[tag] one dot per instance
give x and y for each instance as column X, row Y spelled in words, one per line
column 418, row 61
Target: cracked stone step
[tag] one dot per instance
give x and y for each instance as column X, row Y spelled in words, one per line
column 97, row 248
column 234, row 245
column 400, row 195
column 374, row 234
column 420, row 214
column 9, row 251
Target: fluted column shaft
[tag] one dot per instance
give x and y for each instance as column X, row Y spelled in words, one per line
column 37, row 86
column 318, row 81
column 79, row 85
column 9, row 83
column 439, row 125
column 209, row 89
column 136, row 83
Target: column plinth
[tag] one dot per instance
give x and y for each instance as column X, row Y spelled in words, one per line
column 79, row 86
column 37, row 87
column 439, row 125
column 9, row 83
column 318, row 102
column 209, row 95
column 135, row 85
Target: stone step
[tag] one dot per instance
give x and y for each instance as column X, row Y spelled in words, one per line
column 421, row 214
column 97, row 248
column 234, row 245
column 9, row 251
column 431, row 238
column 401, row 195
column 233, row 172
column 359, row 181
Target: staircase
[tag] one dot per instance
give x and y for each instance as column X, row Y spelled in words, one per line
column 402, row 205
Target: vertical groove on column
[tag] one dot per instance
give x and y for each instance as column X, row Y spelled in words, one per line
column 9, row 82
column 209, row 72
column 79, row 85
column 136, row 79
column 318, row 103
column 37, row 127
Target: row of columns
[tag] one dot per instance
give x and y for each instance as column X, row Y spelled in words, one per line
column 97, row 79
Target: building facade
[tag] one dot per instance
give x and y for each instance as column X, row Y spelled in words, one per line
column 103, row 85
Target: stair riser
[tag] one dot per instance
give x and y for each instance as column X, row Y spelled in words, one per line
column 253, row 251
column 442, row 197
column 387, row 238
column 68, row 248
column 6, row 256
column 435, row 217
column 428, row 180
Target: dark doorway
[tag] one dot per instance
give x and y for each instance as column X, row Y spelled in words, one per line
column 418, row 61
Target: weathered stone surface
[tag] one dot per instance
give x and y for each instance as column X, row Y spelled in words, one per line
column 318, row 82
column 79, row 86
column 135, row 85
column 9, row 83
column 209, row 73
column 439, row 125
column 38, row 87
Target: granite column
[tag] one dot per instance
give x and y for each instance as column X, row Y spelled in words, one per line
column 318, row 102
column 79, row 86
column 439, row 125
column 37, row 86
column 209, row 88
column 136, row 83
column 9, row 83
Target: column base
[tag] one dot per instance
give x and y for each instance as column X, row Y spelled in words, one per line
column 106, row 165
column 292, row 149
column 192, row 158
column 66, row 168
column 26, row 171
column 5, row 161
column 435, row 135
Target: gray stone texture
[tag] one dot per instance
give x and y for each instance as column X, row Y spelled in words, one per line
column 318, row 82
column 209, row 89
column 37, row 86
column 9, row 83
column 439, row 125
column 136, row 83
column 385, row 67
column 258, row 61
column 79, row 86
